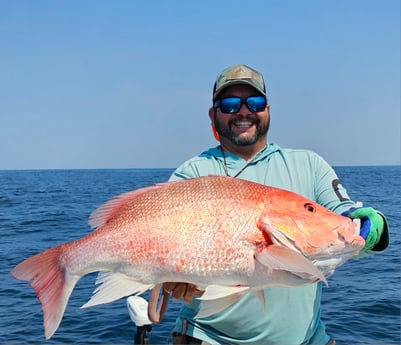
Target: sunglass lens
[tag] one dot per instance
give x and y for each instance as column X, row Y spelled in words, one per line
column 230, row 105
column 256, row 104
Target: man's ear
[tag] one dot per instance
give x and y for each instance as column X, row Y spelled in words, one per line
column 212, row 114
column 212, row 111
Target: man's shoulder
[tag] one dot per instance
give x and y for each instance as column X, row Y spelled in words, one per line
column 211, row 153
column 300, row 158
column 299, row 153
column 203, row 164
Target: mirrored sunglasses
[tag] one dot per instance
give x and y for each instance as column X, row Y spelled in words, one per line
column 232, row 105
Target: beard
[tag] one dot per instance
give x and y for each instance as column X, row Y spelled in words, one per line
column 228, row 133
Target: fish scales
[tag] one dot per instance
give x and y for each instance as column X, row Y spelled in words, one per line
column 208, row 231
column 193, row 229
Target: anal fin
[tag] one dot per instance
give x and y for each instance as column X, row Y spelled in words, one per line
column 113, row 286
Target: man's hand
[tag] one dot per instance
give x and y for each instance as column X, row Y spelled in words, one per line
column 182, row 290
column 372, row 224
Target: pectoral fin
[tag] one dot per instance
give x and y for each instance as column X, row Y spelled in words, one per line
column 282, row 258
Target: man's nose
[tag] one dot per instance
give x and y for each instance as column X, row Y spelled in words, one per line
column 243, row 110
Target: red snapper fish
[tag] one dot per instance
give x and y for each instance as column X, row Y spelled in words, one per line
column 227, row 236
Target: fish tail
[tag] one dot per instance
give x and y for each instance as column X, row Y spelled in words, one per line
column 53, row 286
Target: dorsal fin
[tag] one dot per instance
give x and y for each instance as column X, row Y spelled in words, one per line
column 109, row 209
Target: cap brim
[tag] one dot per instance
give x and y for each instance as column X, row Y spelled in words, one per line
column 238, row 82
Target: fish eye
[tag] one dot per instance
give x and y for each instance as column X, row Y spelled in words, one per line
column 310, row 207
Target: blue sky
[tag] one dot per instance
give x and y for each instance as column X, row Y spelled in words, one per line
column 127, row 84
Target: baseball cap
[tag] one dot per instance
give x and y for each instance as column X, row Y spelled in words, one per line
column 239, row 74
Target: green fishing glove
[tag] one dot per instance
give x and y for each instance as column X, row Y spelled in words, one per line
column 372, row 224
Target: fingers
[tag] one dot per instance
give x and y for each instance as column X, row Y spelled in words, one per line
column 169, row 286
column 156, row 312
column 182, row 291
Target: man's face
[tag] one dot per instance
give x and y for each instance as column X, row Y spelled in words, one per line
column 244, row 127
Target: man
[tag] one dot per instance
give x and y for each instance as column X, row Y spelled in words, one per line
column 240, row 118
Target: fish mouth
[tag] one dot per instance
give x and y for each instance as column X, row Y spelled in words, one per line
column 345, row 225
column 336, row 248
column 325, row 258
column 345, row 238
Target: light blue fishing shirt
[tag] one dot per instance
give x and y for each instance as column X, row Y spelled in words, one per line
column 291, row 315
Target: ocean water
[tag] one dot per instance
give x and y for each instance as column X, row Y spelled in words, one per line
column 43, row 208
